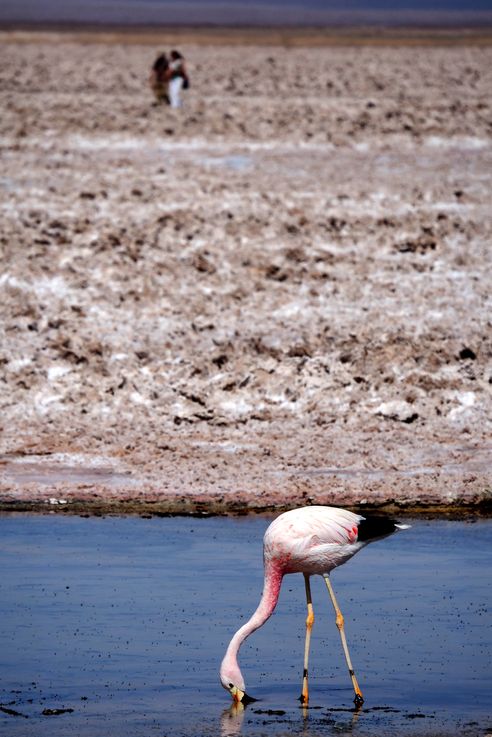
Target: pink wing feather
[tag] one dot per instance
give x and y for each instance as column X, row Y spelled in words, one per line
column 310, row 527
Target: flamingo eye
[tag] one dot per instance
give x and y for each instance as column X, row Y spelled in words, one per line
column 231, row 685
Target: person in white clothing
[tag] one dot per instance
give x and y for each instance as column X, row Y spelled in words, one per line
column 178, row 78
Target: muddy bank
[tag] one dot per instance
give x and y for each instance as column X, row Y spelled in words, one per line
column 203, row 478
column 277, row 295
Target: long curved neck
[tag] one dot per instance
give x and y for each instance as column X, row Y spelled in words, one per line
column 266, row 607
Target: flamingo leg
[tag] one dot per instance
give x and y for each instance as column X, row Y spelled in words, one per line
column 309, row 626
column 358, row 701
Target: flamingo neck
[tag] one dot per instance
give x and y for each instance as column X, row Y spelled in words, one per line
column 265, row 609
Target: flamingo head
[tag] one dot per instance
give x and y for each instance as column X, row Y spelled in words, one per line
column 232, row 680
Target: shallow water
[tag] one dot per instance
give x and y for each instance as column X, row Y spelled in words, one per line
column 124, row 621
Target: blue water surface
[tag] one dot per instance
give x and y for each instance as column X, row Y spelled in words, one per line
column 123, row 622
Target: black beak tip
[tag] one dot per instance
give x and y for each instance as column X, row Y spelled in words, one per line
column 248, row 699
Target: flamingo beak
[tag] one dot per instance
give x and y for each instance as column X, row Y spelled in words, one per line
column 241, row 697
column 237, row 694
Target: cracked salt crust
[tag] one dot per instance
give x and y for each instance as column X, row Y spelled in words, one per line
column 327, row 215
column 57, row 372
column 84, row 460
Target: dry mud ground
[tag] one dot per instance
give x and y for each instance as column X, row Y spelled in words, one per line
column 279, row 294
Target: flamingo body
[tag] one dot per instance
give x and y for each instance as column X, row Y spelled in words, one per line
column 312, row 541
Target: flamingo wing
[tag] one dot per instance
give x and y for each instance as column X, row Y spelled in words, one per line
column 301, row 530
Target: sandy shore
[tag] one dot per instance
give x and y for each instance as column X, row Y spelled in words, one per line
column 278, row 295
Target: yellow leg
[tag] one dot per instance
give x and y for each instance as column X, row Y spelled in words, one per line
column 340, row 624
column 309, row 626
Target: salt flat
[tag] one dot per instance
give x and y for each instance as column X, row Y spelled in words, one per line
column 278, row 294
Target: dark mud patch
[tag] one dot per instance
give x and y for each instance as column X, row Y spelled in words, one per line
column 12, row 712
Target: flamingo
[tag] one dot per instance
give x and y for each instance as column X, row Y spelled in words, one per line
column 312, row 541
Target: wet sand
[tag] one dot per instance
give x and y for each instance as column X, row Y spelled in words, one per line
column 278, row 295
column 117, row 626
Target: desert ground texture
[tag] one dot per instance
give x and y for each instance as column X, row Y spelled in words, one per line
column 279, row 294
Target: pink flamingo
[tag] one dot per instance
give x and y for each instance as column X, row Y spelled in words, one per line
column 310, row 540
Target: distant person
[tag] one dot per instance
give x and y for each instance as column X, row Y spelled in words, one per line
column 178, row 78
column 159, row 79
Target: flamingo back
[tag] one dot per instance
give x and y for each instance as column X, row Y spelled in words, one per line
column 312, row 539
